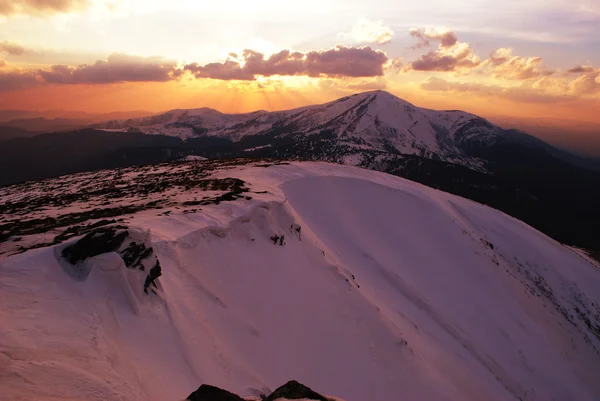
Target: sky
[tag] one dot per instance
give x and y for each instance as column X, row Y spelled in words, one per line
column 534, row 58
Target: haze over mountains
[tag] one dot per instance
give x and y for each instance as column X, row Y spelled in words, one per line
column 23, row 123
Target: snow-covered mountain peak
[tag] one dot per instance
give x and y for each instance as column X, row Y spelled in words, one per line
column 375, row 121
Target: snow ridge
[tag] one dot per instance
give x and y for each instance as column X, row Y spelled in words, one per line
column 407, row 293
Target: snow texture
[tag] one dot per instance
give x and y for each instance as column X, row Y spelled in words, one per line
column 395, row 291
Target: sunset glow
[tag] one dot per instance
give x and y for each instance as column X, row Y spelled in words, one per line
column 532, row 59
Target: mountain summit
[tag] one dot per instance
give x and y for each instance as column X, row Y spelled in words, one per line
column 376, row 121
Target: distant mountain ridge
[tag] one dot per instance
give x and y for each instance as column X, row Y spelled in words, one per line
column 457, row 152
column 364, row 127
column 375, row 121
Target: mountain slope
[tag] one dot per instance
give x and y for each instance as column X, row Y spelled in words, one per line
column 360, row 127
column 407, row 293
column 7, row 132
column 449, row 150
column 372, row 120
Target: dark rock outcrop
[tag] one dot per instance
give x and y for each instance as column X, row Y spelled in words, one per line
column 102, row 240
column 210, row 393
column 134, row 254
column 154, row 273
column 114, row 239
column 293, row 390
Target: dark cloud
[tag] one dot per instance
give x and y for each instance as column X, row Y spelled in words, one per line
column 37, row 7
column 340, row 61
column 458, row 57
column 581, row 69
column 13, row 49
column 424, row 38
column 117, row 68
column 17, row 79
column 451, row 55
column 228, row 70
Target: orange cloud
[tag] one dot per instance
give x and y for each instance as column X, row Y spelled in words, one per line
column 525, row 94
column 340, row 61
column 37, row 7
column 588, row 83
column 505, row 65
column 13, row 49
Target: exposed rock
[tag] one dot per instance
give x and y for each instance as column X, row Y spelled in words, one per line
column 211, row 393
column 134, row 254
column 102, row 240
column 155, row 273
column 133, row 246
column 293, row 390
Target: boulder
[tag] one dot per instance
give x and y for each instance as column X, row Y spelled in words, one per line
column 293, row 390
column 211, row 393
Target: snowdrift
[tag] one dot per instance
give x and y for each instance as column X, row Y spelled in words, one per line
column 388, row 291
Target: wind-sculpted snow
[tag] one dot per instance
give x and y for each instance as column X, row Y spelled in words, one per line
column 381, row 290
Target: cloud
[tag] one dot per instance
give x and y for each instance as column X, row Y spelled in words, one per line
column 394, row 64
column 38, row 7
column 229, row 70
column 450, row 56
column 424, row 38
column 2, row 63
column 581, row 69
column 340, row 61
column 10, row 48
column 117, row 68
column 455, row 58
column 366, row 31
column 505, row 65
column 14, row 79
column 458, row 57
column 525, row 94
column 352, row 86
column 587, row 84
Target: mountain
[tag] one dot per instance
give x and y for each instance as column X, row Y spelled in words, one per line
column 8, row 115
column 454, row 151
column 580, row 137
column 372, row 121
column 363, row 126
column 44, row 125
column 8, row 132
column 146, row 283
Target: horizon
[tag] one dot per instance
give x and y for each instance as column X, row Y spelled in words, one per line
column 578, row 136
column 161, row 111
column 527, row 60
